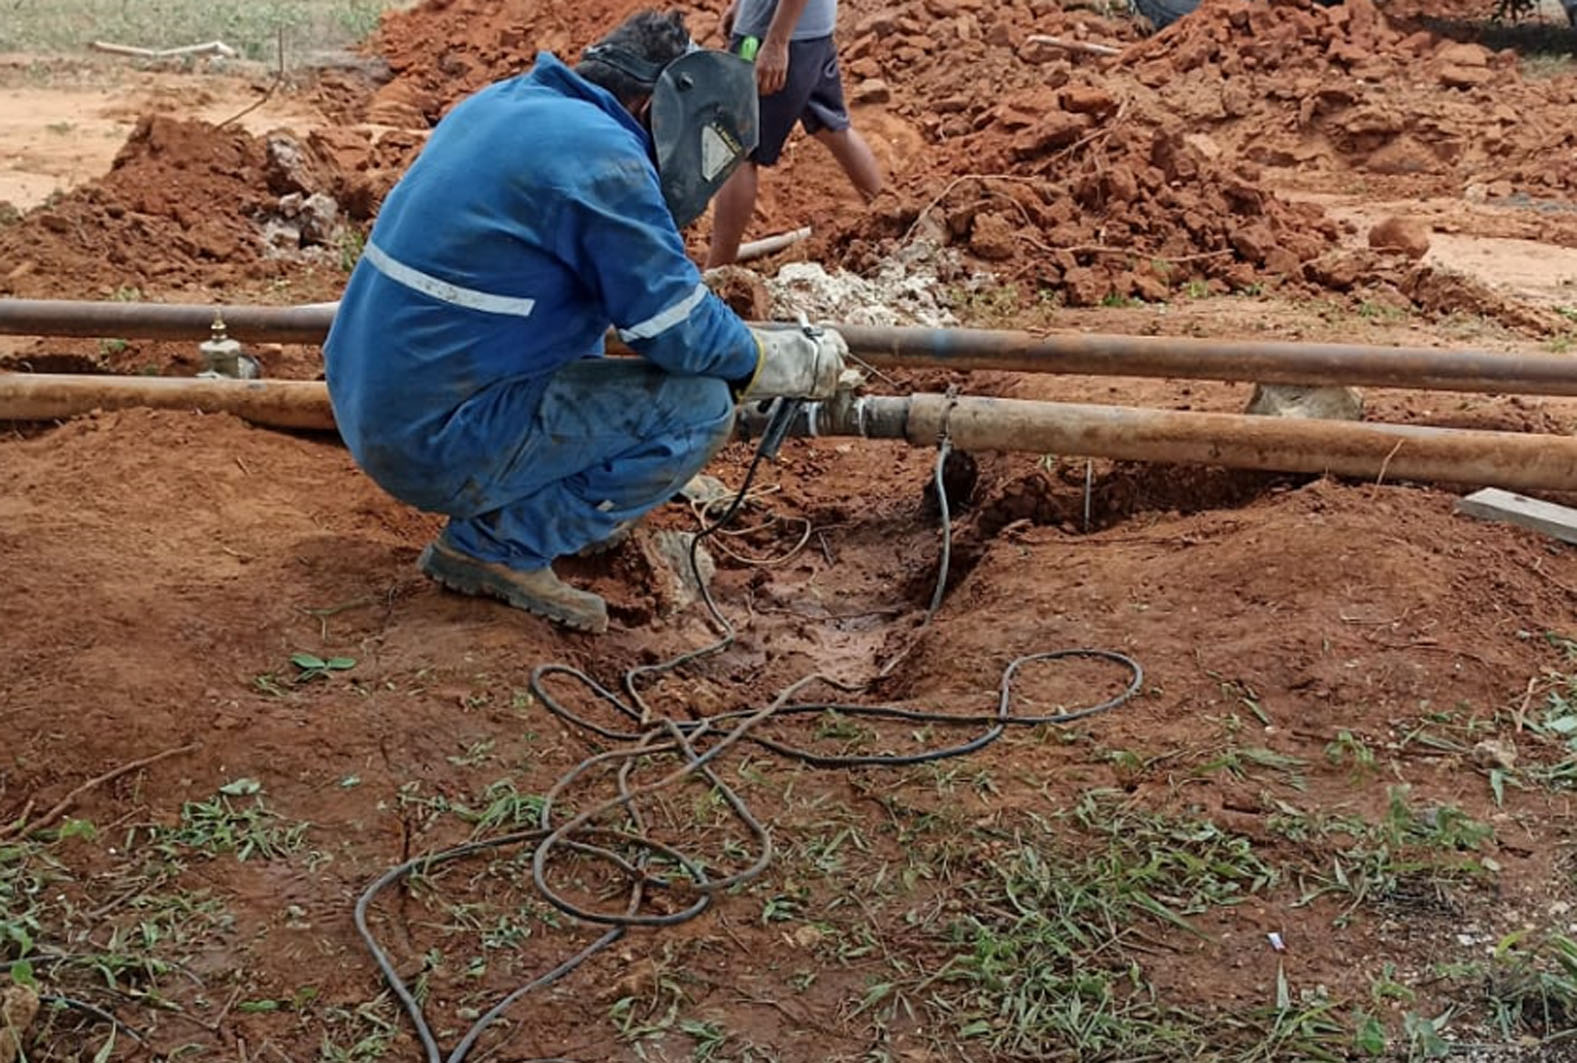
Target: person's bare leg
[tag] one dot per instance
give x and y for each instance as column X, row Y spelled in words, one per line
column 736, row 202
column 856, row 158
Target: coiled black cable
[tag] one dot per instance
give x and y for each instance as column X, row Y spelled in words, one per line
column 651, row 735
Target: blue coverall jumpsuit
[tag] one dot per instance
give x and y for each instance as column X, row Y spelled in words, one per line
column 464, row 363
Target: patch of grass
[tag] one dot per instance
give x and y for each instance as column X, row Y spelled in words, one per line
column 1411, row 853
column 1381, row 313
column 986, row 305
column 221, row 826
column 1533, row 989
column 249, row 26
column 119, row 936
column 1351, row 751
column 349, row 242
column 1041, row 965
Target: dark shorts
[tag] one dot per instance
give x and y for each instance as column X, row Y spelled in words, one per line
column 812, row 96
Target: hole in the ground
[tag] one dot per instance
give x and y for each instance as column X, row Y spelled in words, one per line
column 1112, row 493
column 47, row 362
column 983, row 503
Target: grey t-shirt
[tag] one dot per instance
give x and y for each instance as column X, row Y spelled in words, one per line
column 754, row 18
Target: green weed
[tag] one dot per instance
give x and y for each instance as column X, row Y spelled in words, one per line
column 1533, row 990
column 1041, row 965
column 221, row 826
column 350, row 242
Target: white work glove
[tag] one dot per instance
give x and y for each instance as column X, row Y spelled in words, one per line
column 797, row 364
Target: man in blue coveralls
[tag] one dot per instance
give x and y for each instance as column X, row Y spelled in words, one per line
column 464, row 362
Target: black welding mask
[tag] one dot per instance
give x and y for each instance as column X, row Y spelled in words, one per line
column 704, row 120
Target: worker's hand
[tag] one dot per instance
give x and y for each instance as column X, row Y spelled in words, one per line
column 729, row 14
column 772, row 63
column 797, row 365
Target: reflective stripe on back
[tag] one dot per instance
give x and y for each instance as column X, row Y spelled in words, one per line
column 661, row 322
column 443, row 291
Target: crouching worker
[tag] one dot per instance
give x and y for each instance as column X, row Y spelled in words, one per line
column 464, row 364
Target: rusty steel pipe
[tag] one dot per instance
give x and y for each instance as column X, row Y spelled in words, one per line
column 1514, row 460
column 164, row 321
column 1307, row 364
column 1517, row 461
column 275, row 403
column 1263, row 362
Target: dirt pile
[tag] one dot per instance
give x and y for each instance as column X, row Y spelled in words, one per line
column 444, row 50
column 175, row 207
column 188, row 204
column 1296, row 84
column 1077, row 199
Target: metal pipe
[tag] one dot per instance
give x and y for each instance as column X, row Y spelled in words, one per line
column 1306, row 364
column 1518, row 461
column 164, row 321
column 1525, row 462
column 275, row 403
column 1263, row 362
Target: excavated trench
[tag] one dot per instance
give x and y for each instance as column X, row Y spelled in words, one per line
column 987, row 497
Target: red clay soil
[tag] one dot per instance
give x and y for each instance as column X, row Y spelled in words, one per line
column 1069, row 176
column 197, row 554
column 1304, row 86
column 1077, row 178
column 183, row 208
column 176, row 206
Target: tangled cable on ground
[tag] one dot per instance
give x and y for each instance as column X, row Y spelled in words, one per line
column 649, row 734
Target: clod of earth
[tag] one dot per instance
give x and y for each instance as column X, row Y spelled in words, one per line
column 1409, row 236
column 18, row 1008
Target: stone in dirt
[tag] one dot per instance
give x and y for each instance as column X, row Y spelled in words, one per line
column 1056, row 130
column 1404, row 155
column 1464, row 77
column 667, row 552
column 1464, row 55
column 318, row 217
column 18, row 1009
column 1495, row 753
column 1086, row 287
column 1325, row 404
column 742, row 289
column 871, row 91
column 1254, row 242
column 993, row 237
column 288, row 166
column 1409, row 236
column 1088, row 99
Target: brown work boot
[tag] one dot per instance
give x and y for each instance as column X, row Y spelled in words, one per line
column 536, row 591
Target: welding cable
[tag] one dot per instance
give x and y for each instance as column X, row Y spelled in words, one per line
column 651, row 735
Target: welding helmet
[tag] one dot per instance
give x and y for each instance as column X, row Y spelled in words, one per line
column 704, row 120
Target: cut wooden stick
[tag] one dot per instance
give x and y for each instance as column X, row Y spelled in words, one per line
column 1086, row 47
column 211, row 48
column 22, row 827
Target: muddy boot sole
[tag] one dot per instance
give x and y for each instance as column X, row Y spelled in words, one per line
column 471, row 578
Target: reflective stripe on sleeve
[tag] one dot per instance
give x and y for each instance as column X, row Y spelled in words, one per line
column 443, row 291
column 661, row 322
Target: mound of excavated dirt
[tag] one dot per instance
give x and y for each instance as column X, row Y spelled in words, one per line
column 445, row 50
column 175, row 207
column 1296, row 84
column 187, row 204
